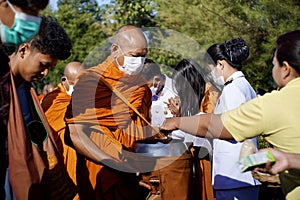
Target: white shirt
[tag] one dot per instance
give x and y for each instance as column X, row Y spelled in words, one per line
column 159, row 109
column 225, row 153
column 188, row 139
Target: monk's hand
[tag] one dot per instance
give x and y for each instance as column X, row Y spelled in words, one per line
column 170, row 124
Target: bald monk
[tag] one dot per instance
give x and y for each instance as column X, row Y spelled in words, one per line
column 55, row 105
column 46, row 89
column 99, row 120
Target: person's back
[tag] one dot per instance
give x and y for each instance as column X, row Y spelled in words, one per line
column 227, row 179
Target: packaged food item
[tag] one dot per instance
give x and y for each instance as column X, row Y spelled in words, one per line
column 247, row 148
column 254, row 160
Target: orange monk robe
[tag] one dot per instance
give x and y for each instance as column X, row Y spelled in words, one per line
column 111, row 123
column 203, row 186
column 40, row 97
column 55, row 105
column 211, row 95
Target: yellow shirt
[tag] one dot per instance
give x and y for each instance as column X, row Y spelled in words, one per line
column 275, row 116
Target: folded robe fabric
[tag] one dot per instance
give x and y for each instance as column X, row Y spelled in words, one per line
column 111, row 124
column 36, row 171
column 96, row 105
column 55, row 105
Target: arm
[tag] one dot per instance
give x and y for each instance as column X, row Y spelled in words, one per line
column 206, row 125
column 85, row 146
column 283, row 161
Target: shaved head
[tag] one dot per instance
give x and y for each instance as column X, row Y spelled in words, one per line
column 72, row 69
column 130, row 37
column 48, row 88
column 128, row 41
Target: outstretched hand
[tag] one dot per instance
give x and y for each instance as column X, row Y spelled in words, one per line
column 280, row 164
column 169, row 124
column 174, row 105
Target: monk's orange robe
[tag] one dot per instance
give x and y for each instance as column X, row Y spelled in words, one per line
column 211, row 95
column 40, row 97
column 55, row 105
column 203, row 185
column 111, row 123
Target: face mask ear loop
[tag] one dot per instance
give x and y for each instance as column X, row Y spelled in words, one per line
column 66, row 81
column 117, row 56
column 11, row 6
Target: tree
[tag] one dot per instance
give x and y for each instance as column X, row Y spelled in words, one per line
column 259, row 22
column 135, row 12
column 82, row 20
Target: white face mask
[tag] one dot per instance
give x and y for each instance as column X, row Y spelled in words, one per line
column 132, row 65
column 153, row 90
column 71, row 89
column 219, row 80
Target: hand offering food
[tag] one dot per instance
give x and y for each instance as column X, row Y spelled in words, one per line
column 174, row 105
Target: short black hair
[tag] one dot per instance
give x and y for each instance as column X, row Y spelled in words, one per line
column 190, row 86
column 234, row 51
column 52, row 39
column 30, row 4
column 288, row 49
column 150, row 69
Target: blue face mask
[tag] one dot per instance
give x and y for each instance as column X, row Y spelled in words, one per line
column 25, row 27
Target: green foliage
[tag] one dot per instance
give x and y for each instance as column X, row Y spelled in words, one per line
column 206, row 22
column 135, row 12
column 262, row 143
column 181, row 27
column 259, row 22
column 82, row 21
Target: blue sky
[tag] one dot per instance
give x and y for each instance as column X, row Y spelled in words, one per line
column 54, row 4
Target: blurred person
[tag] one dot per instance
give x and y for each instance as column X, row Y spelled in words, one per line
column 263, row 115
column 20, row 20
column 149, row 71
column 46, row 89
column 161, row 89
column 19, row 23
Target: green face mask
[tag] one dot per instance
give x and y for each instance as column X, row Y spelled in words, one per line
column 25, row 27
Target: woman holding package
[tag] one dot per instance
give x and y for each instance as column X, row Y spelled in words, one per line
column 263, row 115
column 228, row 181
